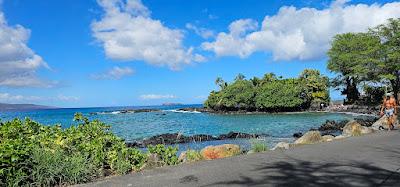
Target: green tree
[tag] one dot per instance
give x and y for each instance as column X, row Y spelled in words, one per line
column 214, row 101
column 220, row 82
column 268, row 77
column 389, row 65
column 238, row 95
column 281, row 95
column 256, row 81
column 316, row 84
column 240, row 77
column 352, row 57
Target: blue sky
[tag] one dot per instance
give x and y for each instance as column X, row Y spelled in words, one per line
column 73, row 53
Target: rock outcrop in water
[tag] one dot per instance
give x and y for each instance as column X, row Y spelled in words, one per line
column 177, row 138
column 128, row 111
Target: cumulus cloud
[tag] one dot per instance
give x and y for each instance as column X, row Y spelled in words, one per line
column 303, row 34
column 128, row 33
column 115, row 73
column 203, row 32
column 233, row 43
column 18, row 62
column 16, row 98
column 157, row 96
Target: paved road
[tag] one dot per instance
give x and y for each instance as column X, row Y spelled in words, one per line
column 372, row 160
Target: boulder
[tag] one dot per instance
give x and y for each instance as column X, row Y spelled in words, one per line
column 352, row 128
column 281, row 146
column 328, row 138
column 381, row 124
column 220, row 151
column 366, row 130
column 309, row 138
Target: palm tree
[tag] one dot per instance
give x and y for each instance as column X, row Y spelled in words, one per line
column 220, row 82
column 240, row 77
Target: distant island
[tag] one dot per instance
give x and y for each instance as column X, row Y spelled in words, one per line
column 6, row 106
column 270, row 93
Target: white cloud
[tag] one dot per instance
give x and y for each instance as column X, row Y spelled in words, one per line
column 115, row 73
column 66, row 98
column 6, row 97
column 156, row 96
column 203, row 32
column 233, row 43
column 18, row 63
column 16, row 98
column 303, row 34
column 127, row 33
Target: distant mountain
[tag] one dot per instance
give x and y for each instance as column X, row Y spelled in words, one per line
column 5, row 106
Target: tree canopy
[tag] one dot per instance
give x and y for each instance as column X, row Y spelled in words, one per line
column 270, row 93
column 359, row 59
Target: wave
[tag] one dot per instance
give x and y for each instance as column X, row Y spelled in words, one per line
column 183, row 111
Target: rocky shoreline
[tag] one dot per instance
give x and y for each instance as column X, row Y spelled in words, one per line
column 356, row 109
column 332, row 128
column 336, row 127
column 177, row 138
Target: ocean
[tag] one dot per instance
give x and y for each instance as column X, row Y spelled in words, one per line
column 137, row 126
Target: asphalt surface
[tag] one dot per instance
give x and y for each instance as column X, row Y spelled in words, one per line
column 371, row 160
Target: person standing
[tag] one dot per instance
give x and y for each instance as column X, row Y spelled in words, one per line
column 389, row 109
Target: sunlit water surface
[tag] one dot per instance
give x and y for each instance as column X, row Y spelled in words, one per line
column 136, row 126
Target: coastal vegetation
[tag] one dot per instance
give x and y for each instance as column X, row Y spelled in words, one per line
column 258, row 146
column 367, row 61
column 270, row 93
column 32, row 154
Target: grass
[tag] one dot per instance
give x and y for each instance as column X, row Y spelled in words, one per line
column 258, row 146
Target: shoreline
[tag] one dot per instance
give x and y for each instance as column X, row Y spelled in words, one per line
column 309, row 164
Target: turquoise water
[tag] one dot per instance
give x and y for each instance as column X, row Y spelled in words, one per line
column 133, row 126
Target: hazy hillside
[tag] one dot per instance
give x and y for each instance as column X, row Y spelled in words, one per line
column 5, row 106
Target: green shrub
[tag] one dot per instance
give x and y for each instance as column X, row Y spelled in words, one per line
column 258, row 146
column 32, row 154
column 193, row 155
column 53, row 167
column 167, row 154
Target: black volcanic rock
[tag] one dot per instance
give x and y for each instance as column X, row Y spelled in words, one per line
column 235, row 135
column 332, row 125
column 126, row 111
column 297, row 135
column 177, row 138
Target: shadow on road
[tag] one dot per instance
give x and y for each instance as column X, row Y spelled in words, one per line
column 304, row 173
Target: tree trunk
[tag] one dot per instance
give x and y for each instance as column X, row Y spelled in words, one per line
column 396, row 87
column 351, row 91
